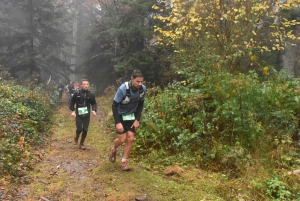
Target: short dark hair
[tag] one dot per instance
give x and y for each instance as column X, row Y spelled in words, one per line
column 84, row 80
column 136, row 73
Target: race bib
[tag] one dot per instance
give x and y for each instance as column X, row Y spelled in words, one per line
column 128, row 117
column 82, row 110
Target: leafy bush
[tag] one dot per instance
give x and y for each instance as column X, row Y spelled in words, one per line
column 221, row 118
column 26, row 117
column 277, row 189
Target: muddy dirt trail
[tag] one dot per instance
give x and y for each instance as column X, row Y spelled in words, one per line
column 63, row 172
column 66, row 172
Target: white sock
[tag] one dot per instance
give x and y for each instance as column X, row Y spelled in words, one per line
column 124, row 159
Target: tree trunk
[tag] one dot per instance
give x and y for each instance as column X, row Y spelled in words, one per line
column 31, row 45
column 289, row 59
column 74, row 41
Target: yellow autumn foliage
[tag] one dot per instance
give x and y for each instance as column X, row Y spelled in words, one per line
column 233, row 29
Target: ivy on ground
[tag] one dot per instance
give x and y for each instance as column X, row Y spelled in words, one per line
column 25, row 114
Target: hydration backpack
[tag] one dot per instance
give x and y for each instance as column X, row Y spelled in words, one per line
column 127, row 97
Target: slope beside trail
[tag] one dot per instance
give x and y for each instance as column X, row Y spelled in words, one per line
column 66, row 173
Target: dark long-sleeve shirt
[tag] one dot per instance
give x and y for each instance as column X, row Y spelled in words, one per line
column 83, row 98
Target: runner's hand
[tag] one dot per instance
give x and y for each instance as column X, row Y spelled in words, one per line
column 119, row 128
column 94, row 113
column 136, row 124
column 73, row 114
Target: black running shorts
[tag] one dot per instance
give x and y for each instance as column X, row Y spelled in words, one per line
column 127, row 126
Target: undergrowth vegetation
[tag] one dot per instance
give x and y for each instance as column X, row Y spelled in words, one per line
column 243, row 127
column 25, row 114
column 226, row 123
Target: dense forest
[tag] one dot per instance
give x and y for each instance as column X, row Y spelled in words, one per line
column 222, row 77
column 104, row 40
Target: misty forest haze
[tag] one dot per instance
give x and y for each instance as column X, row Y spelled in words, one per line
column 104, row 40
column 72, row 39
column 223, row 98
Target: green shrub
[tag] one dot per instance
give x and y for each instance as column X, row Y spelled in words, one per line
column 25, row 115
column 219, row 117
column 277, row 189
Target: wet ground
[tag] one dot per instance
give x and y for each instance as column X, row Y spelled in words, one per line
column 59, row 164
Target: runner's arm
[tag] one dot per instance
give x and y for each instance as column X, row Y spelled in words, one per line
column 140, row 106
column 139, row 110
column 72, row 102
column 94, row 104
column 115, row 112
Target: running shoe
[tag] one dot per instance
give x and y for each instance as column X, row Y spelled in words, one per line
column 112, row 155
column 124, row 166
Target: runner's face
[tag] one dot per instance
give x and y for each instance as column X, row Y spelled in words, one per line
column 137, row 82
column 85, row 85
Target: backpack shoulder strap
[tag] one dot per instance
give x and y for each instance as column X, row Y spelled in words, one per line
column 127, row 89
column 88, row 93
column 78, row 93
column 142, row 92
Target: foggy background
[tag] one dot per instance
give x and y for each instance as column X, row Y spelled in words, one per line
column 101, row 40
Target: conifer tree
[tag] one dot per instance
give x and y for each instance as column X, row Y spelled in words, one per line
column 122, row 39
column 31, row 38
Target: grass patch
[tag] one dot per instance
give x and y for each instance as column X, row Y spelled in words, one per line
column 64, row 172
